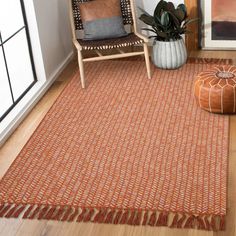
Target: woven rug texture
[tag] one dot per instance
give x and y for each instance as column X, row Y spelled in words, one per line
column 126, row 150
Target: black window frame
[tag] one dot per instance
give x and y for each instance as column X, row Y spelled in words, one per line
column 25, row 27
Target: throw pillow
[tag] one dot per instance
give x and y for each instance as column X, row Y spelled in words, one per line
column 102, row 19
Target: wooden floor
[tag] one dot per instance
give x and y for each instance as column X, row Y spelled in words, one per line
column 34, row 227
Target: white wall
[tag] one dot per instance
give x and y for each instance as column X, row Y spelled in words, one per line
column 54, row 33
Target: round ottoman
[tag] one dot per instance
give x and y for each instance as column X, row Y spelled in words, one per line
column 215, row 89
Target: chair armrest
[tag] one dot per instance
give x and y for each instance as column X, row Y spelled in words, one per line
column 145, row 39
column 77, row 45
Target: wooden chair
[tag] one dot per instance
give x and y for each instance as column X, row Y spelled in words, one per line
column 133, row 38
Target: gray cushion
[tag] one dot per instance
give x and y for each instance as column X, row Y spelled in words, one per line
column 104, row 28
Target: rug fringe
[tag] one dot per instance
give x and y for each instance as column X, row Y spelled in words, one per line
column 145, row 218
column 131, row 218
column 67, row 213
column 114, row 216
column 73, row 216
column 124, row 217
column 117, row 217
column 43, row 212
column 110, row 216
column 58, row 214
column 222, row 223
column 100, row 216
column 11, row 211
column 162, row 219
column 152, row 219
column 49, row 213
column 17, row 213
column 138, row 218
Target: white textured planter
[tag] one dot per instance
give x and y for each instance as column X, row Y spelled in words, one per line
column 169, row 55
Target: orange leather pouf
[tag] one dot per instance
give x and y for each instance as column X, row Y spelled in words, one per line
column 215, row 89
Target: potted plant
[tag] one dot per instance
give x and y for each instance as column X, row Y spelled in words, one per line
column 168, row 25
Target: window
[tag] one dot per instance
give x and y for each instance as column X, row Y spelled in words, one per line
column 17, row 71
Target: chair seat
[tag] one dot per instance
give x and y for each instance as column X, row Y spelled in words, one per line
column 130, row 39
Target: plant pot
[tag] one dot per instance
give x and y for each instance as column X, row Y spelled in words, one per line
column 169, row 55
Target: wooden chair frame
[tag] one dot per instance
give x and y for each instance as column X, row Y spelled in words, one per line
column 120, row 54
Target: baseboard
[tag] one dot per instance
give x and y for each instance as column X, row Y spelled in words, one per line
column 28, row 106
column 61, row 67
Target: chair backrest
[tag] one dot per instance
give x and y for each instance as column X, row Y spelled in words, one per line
column 125, row 9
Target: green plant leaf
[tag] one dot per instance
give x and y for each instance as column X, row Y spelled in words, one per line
column 157, row 19
column 165, row 20
column 147, row 19
column 161, row 34
column 148, row 29
column 170, row 6
column 183, row 8
column 161, row 6
column 190, row 21
column 175, row 20
column 179, row 14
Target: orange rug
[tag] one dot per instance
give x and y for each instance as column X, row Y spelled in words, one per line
column 127, row 150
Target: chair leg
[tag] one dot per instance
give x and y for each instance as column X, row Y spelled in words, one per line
column 81, row 68
column 146, row 53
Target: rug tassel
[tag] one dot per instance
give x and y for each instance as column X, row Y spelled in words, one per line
column 137, row 220
column 5, row 210
column 49, row 214
column 174, row 221
column 222, row 223
column 131, row 218
column 81, row 216
column 73, row 215
column 197, row 221
column 201, row 224
column 180, row 222
column 152, row 219
column 100, row 216
column 35, row 212
column 110, row 216
column 145, row 218
column 124, row 217
column 28, row 212
column 89, row 216
column 213, row 223
column 68, row 212
column 1, row 207
column 117, row 217
column 97, row 216
column 18, row 212
column 10, row 213
column 165, row 219
column 59, row 214
column 162, row 219
column 43, row 212
column 207, row 223
column 190, row 222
